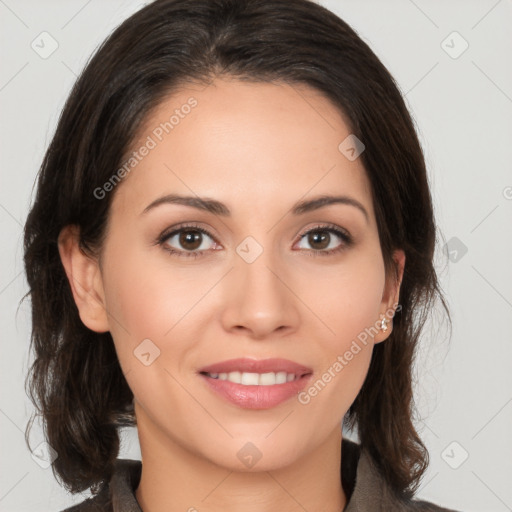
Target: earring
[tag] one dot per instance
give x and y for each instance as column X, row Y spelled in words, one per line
column 383, row 325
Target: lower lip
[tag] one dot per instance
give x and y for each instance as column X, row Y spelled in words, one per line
column 256, row 397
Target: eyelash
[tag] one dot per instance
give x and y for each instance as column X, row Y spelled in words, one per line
column 329, row 228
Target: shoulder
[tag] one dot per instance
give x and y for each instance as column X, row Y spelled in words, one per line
column 94, row 504
column 101, row 502
column 427, row 506
column 368, row 489
column 118, row 493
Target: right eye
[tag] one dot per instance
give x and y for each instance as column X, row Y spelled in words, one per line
column 186, row 241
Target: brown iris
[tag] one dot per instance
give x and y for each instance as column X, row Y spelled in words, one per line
column 319, row 237
column 190, row 240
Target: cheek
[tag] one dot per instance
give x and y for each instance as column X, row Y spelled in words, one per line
column 348, row 299
column 133, row 300
column 144, row 293
column 347, row 302
column 147, row 306
column 139, row 304
column 349, row 314
column 149, row 298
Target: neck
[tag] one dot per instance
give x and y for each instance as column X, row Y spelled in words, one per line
column 176, row 479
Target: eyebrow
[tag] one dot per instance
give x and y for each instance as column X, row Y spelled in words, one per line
column 218, row 208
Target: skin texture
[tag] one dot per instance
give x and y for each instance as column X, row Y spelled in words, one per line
column 259, row 148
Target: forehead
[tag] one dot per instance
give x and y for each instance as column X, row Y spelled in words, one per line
column 248, row 144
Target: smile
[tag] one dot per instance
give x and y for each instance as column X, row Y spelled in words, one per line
column 256, row 384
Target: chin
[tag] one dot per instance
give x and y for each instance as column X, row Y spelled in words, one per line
column 251, row 454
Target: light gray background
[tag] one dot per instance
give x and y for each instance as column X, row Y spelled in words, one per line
column 463, row 110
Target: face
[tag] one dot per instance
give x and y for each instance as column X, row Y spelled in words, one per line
column 257, row 276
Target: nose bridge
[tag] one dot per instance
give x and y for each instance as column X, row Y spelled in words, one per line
column 260, row 302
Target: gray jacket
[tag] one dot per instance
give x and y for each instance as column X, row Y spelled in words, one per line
column 365, row 488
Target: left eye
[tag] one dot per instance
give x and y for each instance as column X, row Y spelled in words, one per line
column 321, row 239
column 188, row 239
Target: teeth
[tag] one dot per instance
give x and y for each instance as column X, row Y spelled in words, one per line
column 255, row 379
column 249, row 379
column 234, row 377
column 268, row 379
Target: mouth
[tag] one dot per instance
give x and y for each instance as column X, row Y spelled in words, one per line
column 256, row 384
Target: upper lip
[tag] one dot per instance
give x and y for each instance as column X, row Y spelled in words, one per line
column 257, row 366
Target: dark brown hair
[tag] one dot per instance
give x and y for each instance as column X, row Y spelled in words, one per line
column 75, row 381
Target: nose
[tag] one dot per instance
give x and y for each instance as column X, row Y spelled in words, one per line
column 259, row 298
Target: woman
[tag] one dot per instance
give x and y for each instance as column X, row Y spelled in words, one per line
column 231, row 248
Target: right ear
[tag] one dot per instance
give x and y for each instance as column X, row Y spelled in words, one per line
column 85, row 280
